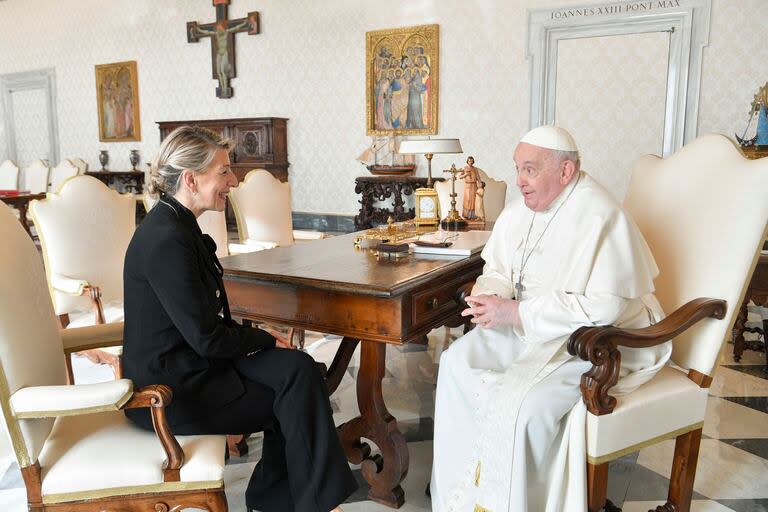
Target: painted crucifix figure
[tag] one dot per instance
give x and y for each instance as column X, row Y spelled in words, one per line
column 222, row 33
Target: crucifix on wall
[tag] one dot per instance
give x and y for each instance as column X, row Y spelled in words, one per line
column 222, row 33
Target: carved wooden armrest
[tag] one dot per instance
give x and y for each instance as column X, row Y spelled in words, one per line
column 94, row 293
column 462, row 293
column 157, row 397
column 598, row 345
column 80, row 287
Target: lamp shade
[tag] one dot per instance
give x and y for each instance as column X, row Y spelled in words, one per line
column 430, row 146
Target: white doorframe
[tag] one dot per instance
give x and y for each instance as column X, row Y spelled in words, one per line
column 29, row 80
column 686, row 21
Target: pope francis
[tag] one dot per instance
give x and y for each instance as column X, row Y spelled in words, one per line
column 509, row 422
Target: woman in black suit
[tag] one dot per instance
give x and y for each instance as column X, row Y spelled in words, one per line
column 226, row 378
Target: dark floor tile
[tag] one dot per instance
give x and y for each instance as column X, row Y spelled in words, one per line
column 748, row 505
column 361, row 494
column 416, row 430
column 758, row 403
column 647, row 485
column 619, row 477
column 756, row 370
column 757, row 447
column 413, row 347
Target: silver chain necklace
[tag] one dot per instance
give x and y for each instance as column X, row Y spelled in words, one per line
column 519, row 288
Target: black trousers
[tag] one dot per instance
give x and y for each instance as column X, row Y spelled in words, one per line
column 302, row 467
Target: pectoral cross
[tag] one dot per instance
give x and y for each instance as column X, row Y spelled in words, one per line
column 222, row 33
column 519, row 289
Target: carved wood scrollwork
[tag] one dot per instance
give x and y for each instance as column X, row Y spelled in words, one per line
column 157, row 397
column 598, row 346
column 382, row 188
column 604, row 374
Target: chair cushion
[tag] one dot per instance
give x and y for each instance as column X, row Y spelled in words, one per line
column 104, row 454
column 664, row 407
column 50, row 401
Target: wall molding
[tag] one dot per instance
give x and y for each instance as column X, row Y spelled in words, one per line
column 686, row 21
column 29, row 80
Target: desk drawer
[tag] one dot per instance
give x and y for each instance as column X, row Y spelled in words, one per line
column 437, row 301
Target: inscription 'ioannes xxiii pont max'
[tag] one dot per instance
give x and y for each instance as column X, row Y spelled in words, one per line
column 645, row 5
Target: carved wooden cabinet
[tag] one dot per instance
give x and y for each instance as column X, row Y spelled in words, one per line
column 260, row 142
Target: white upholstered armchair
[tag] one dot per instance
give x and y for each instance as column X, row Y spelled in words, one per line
column 84, row 231
column 76, row 450
column 706, row 250
column 214, row 223
column 262, row 206
column 61, row 173
column 82, row 165
column 34, row 177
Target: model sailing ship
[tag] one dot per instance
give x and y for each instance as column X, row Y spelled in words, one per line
column 382, row 158
column 759, row 108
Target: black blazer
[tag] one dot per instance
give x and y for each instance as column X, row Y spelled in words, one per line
column 178, row 329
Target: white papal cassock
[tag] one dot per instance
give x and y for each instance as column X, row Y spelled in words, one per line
column 509, row 422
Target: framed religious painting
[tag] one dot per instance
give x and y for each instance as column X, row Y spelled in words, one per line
column 117, row 93
column 401, row 80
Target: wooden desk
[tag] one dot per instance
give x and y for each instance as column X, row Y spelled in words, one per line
column 21, row 203
column 757, row 292
column 331, row 287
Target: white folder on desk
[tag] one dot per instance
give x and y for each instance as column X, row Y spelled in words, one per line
column 463, row 243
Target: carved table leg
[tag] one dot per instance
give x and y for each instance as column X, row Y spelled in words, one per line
column 340, row 363
column 738, row 330
column 383, row 472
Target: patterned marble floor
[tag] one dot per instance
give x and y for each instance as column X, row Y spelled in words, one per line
column 733, row 463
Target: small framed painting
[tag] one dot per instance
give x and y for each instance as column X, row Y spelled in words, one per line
column 117, row 93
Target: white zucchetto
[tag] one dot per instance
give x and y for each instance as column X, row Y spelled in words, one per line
column 550, row 137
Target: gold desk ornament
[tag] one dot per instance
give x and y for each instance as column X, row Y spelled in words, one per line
column 389, row 233
column 453, row 221
column 427, row 207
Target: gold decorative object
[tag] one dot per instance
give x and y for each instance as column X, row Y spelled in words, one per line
column 453, row 221
column 399, row 63
column 427, row 207
column 392, row 232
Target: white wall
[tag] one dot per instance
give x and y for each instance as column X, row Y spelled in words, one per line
column 308, row 65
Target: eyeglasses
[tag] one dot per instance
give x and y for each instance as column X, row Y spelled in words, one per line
column 436, row 239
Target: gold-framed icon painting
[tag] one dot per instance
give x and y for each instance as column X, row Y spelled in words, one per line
column 117, row 93
column 401, row 80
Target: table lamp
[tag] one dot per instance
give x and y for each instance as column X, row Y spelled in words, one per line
column 429, row 147
column 427, row 204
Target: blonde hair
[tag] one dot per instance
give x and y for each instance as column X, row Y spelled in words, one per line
column 187, row 147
